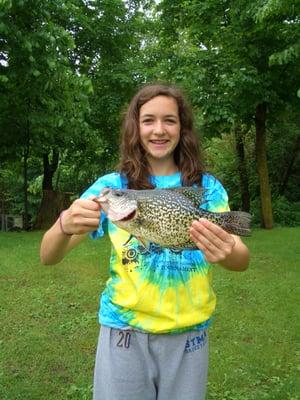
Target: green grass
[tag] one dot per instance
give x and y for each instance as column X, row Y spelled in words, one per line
column 48, row 321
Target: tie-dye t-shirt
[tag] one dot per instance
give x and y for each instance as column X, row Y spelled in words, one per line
column 157, row 290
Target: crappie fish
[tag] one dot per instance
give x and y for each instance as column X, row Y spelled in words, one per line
column 164, row 216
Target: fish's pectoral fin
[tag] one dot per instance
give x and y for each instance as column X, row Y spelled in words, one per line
column 128, row 240
column 145, row 243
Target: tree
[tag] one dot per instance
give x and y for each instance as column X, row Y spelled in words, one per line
column 225, row 51
column 53, row 55
column 46, row 100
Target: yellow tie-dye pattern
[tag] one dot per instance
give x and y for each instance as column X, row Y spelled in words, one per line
column 187, row 304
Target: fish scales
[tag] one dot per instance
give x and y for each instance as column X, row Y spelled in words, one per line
column 164, row 216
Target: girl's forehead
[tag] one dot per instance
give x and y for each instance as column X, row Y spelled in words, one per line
column 160, row 105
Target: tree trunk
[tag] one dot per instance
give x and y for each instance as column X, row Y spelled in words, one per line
column 293, row 156
column 49, row 169
column 25, row 186
column 52, row 201
column 242, row 167
column 262, row 166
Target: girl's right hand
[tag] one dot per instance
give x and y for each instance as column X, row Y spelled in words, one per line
column 81, row 217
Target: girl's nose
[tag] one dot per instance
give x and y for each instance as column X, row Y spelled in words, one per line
column 158, row 128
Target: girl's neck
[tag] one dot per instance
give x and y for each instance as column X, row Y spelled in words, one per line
column 162, row 167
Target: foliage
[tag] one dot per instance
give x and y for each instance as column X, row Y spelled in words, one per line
column 285, row 212
column 46, row 100
column 221, row 52
column 225, row 53
column 106, row 50
column 67, row 71
column 284, row 150
column 222, row 161
column 287, row 13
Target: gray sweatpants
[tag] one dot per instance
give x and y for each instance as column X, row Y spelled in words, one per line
column 132, row 365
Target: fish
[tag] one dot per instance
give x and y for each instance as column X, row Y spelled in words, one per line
column 164, row 216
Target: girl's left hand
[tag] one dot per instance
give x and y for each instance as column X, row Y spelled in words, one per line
column 215, row 243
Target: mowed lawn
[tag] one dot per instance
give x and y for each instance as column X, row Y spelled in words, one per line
column 49, row 330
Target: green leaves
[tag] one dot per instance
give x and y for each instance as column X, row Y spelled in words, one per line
column 67, row 69
column 36, row 73
column 4, row 79
column 285, row 56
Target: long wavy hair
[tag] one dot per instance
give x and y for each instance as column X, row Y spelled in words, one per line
column 187, row 155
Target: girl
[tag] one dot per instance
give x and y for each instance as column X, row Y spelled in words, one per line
column 157, row 304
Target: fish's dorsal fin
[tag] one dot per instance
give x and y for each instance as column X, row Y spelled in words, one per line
column 195, row 195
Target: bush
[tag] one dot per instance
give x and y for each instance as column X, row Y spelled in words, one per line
column 285, row 212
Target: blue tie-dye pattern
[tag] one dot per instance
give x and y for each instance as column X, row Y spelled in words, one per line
column 157, row 266
column 169, row 268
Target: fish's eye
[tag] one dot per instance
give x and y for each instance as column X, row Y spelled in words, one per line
column 119, row 194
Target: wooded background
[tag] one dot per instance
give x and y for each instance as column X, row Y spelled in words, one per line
column 68, row 69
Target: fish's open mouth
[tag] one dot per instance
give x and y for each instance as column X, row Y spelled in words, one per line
column 129, row 216
column 121, row 216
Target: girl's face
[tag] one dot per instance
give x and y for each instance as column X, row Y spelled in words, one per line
column 159, row 127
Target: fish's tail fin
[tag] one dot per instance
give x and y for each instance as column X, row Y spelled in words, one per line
column 236, row 222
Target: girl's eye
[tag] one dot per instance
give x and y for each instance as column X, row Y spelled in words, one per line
column 147, row 121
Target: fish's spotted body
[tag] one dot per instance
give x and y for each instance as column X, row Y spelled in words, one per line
column 164, row 216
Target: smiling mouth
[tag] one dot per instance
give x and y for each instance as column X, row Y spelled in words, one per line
column 159, row 141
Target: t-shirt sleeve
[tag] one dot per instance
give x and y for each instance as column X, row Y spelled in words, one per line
column 216, row 198
column 113, row 181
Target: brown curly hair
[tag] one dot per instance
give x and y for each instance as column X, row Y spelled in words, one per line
column 187, row 155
